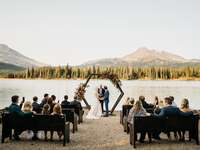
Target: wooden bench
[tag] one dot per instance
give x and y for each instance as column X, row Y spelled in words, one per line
column 152, row 124
column 71, row 117
column 124, row 116
column 34, row 123
column 124, row 111
column 78, row 111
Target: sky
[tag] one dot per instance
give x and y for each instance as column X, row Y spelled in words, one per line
column 59, row 32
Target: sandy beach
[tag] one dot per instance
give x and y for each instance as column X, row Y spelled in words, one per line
column 102, row 134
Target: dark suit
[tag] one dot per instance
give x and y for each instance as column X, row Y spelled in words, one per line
column 44, row 101
column 65, row 104
column 16, row 111
column 146, row 105
column 77, row 106
column 172, row 111
column 106, row 100
column 36, row 107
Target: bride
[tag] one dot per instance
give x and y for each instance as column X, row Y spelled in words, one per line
column 95, row 111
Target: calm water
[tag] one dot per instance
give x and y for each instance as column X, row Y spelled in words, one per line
column 150, row 89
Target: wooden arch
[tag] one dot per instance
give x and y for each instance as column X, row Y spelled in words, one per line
column 112, row 77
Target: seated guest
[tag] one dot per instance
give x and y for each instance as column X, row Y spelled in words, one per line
column 77, row 105
column 144, row 103
column 161, row 104
column 132, row 101
column 57, row 110
column 53, row 98
column 127, row 101
column 27, row 108
column 173, row 102
column 170, row 110
column 46, row 111
column 35, row 105
column 44, row 100
column 15, row 109
column 65, row 102
column 137, row 110
column 51, row 104
column 185, row 105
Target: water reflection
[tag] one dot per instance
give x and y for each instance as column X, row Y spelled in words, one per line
column 150, row 89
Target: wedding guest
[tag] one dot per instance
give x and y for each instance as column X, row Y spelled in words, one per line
column 77, row 106
column 173, row 102
column 53, row 98
column 36, row 105
column 46, row 111
column 57, row 110
column 185, row 106
column 161, row 104
column 132, row 101
column 15, row 109
column 65, row 103
column 44, row 100
column 170, row 110
column 145, row 104
column 51, row 104
column 126, row 101
column 137, row 110
column 27, row 108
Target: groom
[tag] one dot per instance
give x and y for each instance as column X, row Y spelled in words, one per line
column 106, row 99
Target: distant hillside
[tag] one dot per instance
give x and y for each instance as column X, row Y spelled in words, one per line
column 144, row 57
column 12, row 57
column 10, row 67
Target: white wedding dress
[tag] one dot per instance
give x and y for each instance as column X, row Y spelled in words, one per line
column 95, row 111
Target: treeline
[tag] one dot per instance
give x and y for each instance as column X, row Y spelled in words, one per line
column 130, row 73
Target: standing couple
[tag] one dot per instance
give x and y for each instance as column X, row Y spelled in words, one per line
column 97, row 110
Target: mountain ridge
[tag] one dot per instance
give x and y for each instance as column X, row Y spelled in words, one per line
column 13, row 57
column 145, row 57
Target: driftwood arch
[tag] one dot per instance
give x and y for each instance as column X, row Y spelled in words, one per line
column 80, row 93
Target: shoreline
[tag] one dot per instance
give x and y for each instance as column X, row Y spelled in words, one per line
column 181, row 79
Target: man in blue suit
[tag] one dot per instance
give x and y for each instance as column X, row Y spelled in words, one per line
column 106, row 100
column 15, row 109
column 170, row 110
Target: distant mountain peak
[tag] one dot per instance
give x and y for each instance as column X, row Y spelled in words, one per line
column 145, row 57
column 144, row 54
column 11, row 56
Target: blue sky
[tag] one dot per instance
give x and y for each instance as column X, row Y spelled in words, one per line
column 75, row 31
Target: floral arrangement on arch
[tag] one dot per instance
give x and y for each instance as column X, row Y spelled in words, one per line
column 80, row 91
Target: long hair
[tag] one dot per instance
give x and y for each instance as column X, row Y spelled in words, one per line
column 27, row 107
column 184, row 103
column 138, row 106
column 46, row 109
column 57, row 109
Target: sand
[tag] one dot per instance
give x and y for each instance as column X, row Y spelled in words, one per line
column 103, row 134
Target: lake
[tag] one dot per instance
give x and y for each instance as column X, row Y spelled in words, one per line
column 134, row 88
